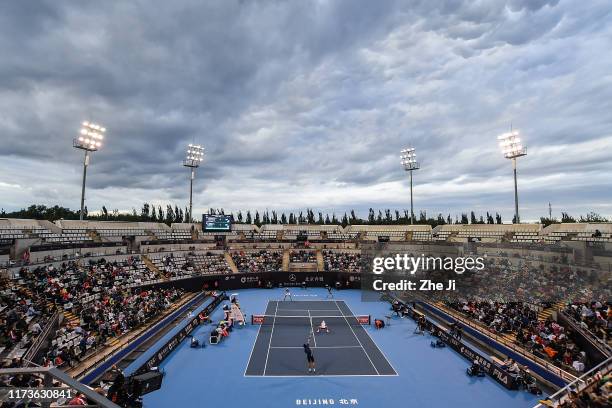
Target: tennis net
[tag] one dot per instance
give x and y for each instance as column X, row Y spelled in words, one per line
column 309, row 320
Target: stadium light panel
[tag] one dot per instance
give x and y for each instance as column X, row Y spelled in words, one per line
column 90, row 139
column 511, row 146
column 193, row 157
column 409, row 161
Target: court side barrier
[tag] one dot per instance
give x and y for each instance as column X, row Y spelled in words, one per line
column 162, row 352
column 545, row 370
column 490, row 367
column 259, row 280
column 116, row 355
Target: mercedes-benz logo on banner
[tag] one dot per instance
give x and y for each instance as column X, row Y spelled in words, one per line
column 292, row 278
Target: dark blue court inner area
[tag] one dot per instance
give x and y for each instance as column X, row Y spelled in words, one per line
column 347, row 350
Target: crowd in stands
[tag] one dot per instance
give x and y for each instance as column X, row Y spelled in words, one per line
column 595, row 393
column 544, row 338
column 209, row 263
column 70, row 399
column 174, row 266
column 342, row 261
column 301, row 256
column 22, row 318
column 114, row 314
column 258, row 261
column 71, row 280
column 594, row 317
column 509, row 280
column 97, row 293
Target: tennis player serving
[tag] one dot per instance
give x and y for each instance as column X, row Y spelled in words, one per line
column 309, row 357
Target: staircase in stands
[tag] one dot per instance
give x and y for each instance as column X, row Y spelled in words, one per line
column 151, row 266
column 95, row 237
column 69, row 317
column 547, row 312
column 286, row 258
column 230, row 262
column 151, row 235
column 320, row 262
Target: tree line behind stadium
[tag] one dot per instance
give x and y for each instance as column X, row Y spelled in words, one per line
column 175, row 214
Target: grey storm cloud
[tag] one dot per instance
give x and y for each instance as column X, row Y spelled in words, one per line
column 308, row 103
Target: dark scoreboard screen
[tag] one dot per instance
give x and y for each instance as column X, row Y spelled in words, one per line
column 216, row 223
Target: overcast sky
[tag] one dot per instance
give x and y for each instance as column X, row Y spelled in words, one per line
column 308, row 103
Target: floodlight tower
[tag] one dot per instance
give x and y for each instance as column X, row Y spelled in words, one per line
column 512, row 148
column 408, row 160
column 90, row 140
column 193, row 158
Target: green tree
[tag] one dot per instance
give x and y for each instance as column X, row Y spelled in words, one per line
column 144, row 213
column 345, row 220
column 472, row 218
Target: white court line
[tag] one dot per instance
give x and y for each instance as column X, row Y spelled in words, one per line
column 270, row 343
column 357, row 338
column 383, row 354
column 312, row 329
column 307, row 310
column 311, row 300
column 253, row 348
column 320, row 347
column 320, row 375
column 376, row 345
column 324, row 375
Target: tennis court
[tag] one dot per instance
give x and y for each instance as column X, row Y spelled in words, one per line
column 347, row 350
column 427, row 376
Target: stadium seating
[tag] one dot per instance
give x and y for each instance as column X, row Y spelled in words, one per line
column 577, row 232
column 546, row 339
column 182, row 264
column 257, row 261
column 302, row 256
column 74, row 288
column 488, row 233
column 73, row 233
column 342, row 261
column 393, row 232
column 71, row 279
column 593, row 317
column 45, row 231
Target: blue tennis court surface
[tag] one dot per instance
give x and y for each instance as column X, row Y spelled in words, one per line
column 424, row 376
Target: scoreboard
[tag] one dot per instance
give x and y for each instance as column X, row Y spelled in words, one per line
column 216, row 223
